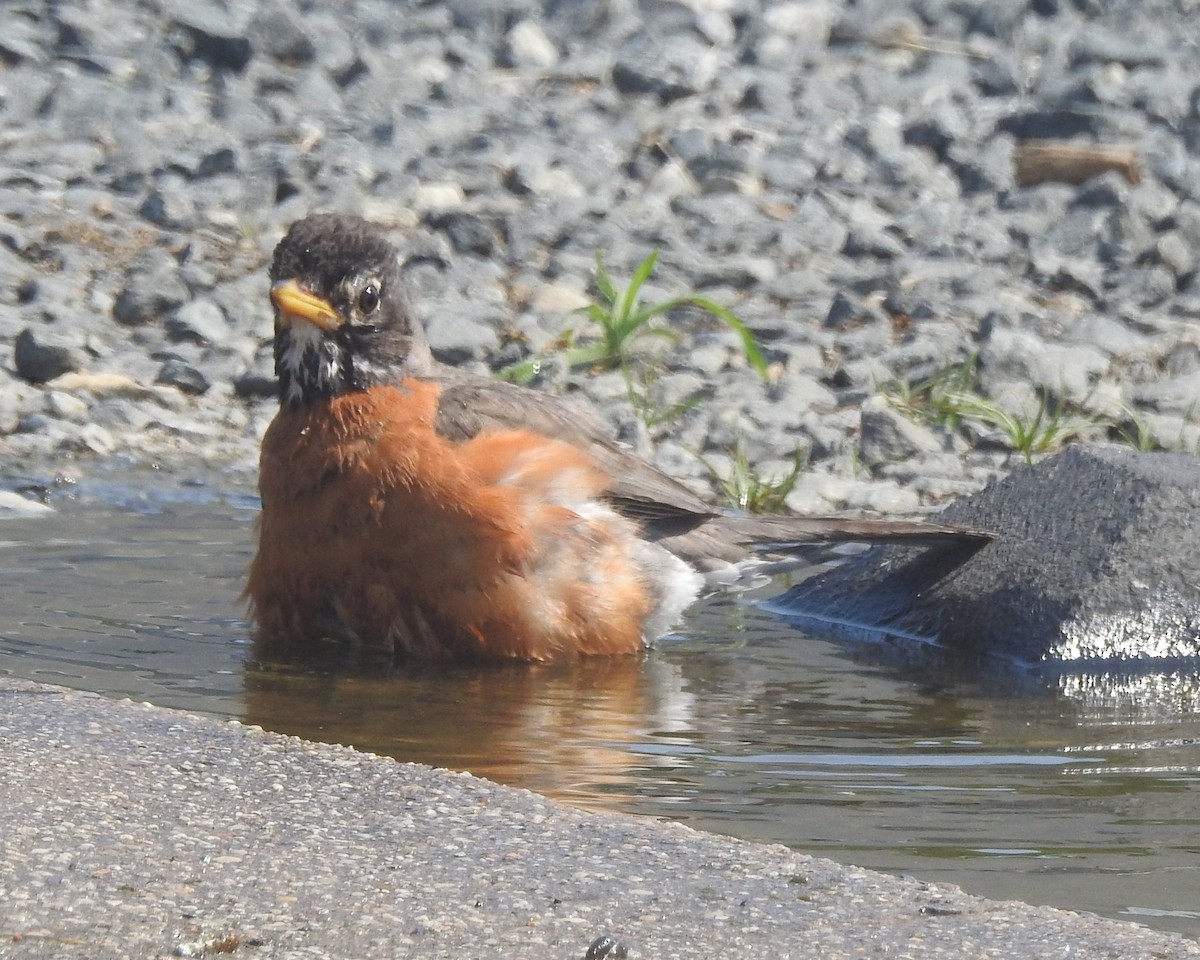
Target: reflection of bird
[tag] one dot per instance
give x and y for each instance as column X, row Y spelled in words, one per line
column 449, row 515
column 562, row 730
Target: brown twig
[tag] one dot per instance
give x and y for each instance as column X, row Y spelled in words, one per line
column 1066, row 161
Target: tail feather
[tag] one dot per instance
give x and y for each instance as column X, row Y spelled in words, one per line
column 782, row 534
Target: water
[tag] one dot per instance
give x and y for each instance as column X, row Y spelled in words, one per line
column 1078, row 791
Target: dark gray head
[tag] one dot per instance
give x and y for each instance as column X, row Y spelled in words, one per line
column 341, row 319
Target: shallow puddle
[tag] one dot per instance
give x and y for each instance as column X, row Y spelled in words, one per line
column 1082, row 791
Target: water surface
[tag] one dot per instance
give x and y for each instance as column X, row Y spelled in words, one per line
column 1081, row 791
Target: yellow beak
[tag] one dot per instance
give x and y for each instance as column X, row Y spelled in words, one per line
column 295, row 303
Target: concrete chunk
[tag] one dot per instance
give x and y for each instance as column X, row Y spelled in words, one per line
column 1096, row 562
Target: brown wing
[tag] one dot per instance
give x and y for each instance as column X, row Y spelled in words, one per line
column 471, row 404
column 668, row 511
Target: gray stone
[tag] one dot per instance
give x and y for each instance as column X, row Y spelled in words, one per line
column 153, row 290
column 1177, row 393
column 1175, row 253
column 870, row 240
column 278, row 31
column 255, row 384
column 43, row 352
column 65, row 406
column 184, row 376
column 1183, row 358
column 1106, row 46
column 468, row 232
column 1106, row 334
column 206, row 34
column 1067, row 371
column 886, row 499
column 14, row 402
column 122, row 416
column 645, row 66
column 463, row 333
column 87, row 438
column 888, row 436
column 198, row 321
column 528, row 46
column 709, row 160
column 169, row 205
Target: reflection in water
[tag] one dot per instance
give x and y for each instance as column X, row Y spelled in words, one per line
column 563, row 730
column 1075, row 790
column 1128, row 697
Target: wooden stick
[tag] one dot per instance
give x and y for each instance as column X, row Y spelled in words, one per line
column 1066, row 161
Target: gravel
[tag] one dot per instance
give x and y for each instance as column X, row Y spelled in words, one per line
column 839, row 174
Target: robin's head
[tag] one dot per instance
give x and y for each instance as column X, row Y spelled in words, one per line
column 341, row 319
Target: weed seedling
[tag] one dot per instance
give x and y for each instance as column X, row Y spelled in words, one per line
column 619, row 321
column 745, row 488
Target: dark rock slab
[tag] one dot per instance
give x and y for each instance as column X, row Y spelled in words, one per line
column 1095, row 563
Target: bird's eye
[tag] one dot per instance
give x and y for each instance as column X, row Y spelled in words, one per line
column 368, row 300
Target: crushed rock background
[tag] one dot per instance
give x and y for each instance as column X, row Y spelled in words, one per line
column 840, row 174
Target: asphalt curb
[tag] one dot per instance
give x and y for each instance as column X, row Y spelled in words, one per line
column 136, row 831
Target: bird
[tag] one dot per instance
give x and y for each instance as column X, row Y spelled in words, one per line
column 448, row 515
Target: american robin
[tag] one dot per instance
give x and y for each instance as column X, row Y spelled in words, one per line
column 449, row 515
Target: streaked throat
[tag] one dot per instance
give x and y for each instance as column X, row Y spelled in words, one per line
column 309, row 365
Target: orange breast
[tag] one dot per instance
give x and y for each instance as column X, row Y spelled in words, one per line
column 498, row 547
